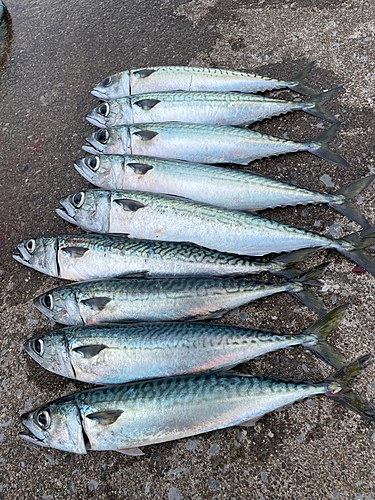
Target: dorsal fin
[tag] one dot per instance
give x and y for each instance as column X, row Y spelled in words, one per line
column 75, row 252
column 89, row 351
column 147, row 104
column 97, row 302
column 140, row 168
column 105, row 417
column 146, row 135
column 129, row 205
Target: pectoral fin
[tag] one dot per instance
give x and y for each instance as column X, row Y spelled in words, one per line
column 140, row 168
column 146, row 135
column 129, row 205
column 144, row 73
column 75, row 252
column 89, row 351
column 134, row 452
column 97, row 303
column 105, row 417
column 147, row 104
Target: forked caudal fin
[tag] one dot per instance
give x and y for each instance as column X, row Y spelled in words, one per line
column 348, row 208
column 344, row 379
column 314, row 106
column 319, row 146
column 296, row 82
column 290, row 259
column 358, row 254
column 310, row 278
column 322, row 329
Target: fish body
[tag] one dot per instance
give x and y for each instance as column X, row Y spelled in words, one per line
column 93, row 256
column 153, row 299
column 159, row 217
column 218, row 186
column 122, row 353
column 204, row 143
column 216, row 108
column 164, row 78
column 167, row 218
column 125, row 416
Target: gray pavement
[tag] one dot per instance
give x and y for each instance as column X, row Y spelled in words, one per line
column 315, row 449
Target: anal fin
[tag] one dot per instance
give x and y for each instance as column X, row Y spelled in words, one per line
column 133, row 452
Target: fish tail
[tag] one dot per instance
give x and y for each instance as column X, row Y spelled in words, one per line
column 290, row 259
column 304, row 295
column 321, row 329
column 317, row 105
column 348, row 208
column 358, row 254
column 296, row 82
column 338, row 387
column 319, row 146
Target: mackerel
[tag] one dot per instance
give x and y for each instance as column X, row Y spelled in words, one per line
column 213, row 185
column 216, row 108
column 163, row 78
column 126, row 416
column 205, row 143
column 124, row 353
column 165, row 299
column 93, row 256
column 160, row 217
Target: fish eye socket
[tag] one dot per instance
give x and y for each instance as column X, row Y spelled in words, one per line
column 43, row 419
column 30, row 246
column 103, row 109
column 39, row 347
column 102, row 136
column 93, row 163
column 78, row 199
column 48, row 301
column 106, row 82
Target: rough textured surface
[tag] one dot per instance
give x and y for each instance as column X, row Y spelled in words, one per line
column 315, row 449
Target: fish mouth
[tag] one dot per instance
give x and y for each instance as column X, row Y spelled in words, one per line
column 97, row 120
column 98, row 92
column 99, row 148
column 66, row 212
column 28, row 435
column 86, row 172
column 22, row 256
column 91, row 150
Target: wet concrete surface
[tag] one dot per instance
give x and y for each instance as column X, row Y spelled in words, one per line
column 315, row 449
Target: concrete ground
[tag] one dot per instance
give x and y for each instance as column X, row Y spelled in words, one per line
column 315, row 449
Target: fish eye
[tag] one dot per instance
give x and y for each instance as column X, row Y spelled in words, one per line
column 48, row 301
column 93, row 163
column 78, row 199
column 103, row 109
column 102, row 136
column 106, row 82
column 39, row 347
column 43, row 419
column 30, row 246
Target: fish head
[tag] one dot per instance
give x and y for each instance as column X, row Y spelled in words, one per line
column 113, row 87
column 114, row 140
column 39, row 253
column 112, row 113
column 56, row 425
column 106, row 171
column 60, row 305
column 89, row 209
column 51, row 352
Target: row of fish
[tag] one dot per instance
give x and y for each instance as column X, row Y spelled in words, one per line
column 189, row 114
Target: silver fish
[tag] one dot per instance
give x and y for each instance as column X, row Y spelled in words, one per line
column 215, row 108
column 126, row 416
column 205, row 143
column 162, row 78
column 93, row 256
column 218, row 186
column 125, row 353
column 160, row 217
column 165, row 299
